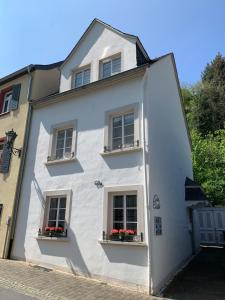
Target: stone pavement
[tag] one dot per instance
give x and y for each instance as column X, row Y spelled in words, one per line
column 203, row 279
column 41, row 283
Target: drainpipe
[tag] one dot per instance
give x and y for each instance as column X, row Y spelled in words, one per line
column 7, row 251
column 147, row 186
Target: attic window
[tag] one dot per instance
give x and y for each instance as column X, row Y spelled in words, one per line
column 82, row 77
column 110, row 66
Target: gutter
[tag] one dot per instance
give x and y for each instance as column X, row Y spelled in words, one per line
column 22, row 167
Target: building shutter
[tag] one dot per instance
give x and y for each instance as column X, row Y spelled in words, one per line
column 15, row 96
column 1, row 101
column 5, row 159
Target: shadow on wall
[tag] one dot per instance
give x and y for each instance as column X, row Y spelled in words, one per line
column 131, row 255
column 72, row 167
column 121, row 161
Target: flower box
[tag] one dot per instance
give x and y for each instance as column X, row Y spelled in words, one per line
column 53, row 232
column 122, row 235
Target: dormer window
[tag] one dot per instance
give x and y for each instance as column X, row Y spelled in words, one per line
column 110, row 66
column 82, row 77
column 7, row 101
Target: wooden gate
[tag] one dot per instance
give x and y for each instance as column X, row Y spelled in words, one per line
column 211, row 225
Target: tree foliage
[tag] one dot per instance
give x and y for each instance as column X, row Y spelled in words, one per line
column 205, row 110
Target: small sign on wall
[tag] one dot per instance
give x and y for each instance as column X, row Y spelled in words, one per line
column 156, row 202
column 158, row 225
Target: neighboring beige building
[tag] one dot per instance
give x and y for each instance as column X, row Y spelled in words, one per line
column 33, row 81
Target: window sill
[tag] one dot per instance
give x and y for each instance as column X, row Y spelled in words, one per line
column 60, row 161
column 121, row 151
column 55, row 239
column 108, row 242
column 5, row 113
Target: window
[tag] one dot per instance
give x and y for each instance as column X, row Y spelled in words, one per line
column 7, row 102
column 55, row 213
column 82, row 78
column 122, row 129
column 110, row 67
column 62, row 142
column 123, row 213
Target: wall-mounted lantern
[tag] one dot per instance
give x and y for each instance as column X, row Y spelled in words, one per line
column 10, row 138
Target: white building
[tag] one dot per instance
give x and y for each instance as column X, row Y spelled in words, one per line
column 110, row 151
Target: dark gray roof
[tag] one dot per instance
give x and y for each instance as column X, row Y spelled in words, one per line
column 191, row 183
column 29, row 68
column 194, row 191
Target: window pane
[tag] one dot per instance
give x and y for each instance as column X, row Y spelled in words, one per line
column 61, row 224
column 117, row 143
column 117, row 121
column 52, row 214
column 69, row 133
column 61, row 134
column 54, row 203
column 129, row 129
column 118, row 215
column 128, row 140
column 128, row 119
column 118, row 201
column 132, row 226
column 51, row 223
column 116, row 65
column 62, row 203
column 59, row 153
column 131, row 201
column 78, row 79
column 106, row 69
column 60, row 144
column 68, row 142
column 86, row 76
column 118, row 226
column 132, row 215
column 62, row 213
column 117, row 132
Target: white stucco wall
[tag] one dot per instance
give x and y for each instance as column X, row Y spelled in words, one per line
column 98, row 44
column 169, row 159
column 82, row 253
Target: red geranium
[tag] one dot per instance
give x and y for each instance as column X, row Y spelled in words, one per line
column 122, row 231
column 131, row 232
column 114, row 231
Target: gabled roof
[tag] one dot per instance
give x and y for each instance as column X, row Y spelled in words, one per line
column 27, row 69
column 123, row 34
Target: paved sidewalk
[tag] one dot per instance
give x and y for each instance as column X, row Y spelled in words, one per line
column 203, row 279
column 41, row 283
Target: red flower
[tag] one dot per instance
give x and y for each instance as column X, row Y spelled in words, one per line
column 47, row 228
column 131, row 232
column 59, row 228
column 113, row 231
column 122, row 231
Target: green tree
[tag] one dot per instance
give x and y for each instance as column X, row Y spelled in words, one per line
column 209, row 164
column 208, row 111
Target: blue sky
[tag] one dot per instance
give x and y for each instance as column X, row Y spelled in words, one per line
column 45, row 31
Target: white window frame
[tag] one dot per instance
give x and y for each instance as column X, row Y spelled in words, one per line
column 109, row 192
column 111, row 208
column 53, row 139
column 132, row 108
column 8, row 94
column 46, row 204
column 57, row 215
column 80, row 70
column 110, row 59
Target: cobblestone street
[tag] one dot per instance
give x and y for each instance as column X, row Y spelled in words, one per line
column 40, row 283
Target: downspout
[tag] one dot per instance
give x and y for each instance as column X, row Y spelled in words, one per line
column 146, row 148
column 22, row 167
